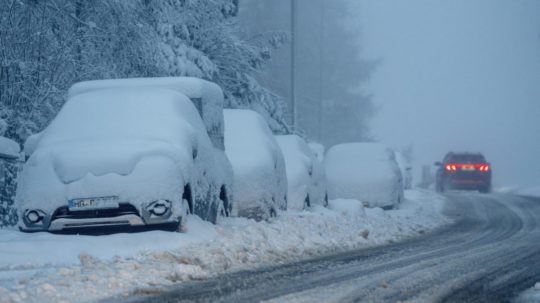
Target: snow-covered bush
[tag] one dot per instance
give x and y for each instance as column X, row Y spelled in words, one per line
column 367, row 172
column 260, row 180
column 9, row 166
column 305, row 174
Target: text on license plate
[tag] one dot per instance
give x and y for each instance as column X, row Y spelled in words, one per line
column 93, row 203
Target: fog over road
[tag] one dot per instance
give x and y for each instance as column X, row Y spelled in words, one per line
column 490, row 254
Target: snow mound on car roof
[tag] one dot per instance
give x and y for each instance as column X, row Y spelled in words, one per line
column 205, row 95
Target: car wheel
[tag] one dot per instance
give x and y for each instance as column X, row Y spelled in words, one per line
column 325, row 200
column 186, row 211
column 273, row 213
column 307, row 204
column 484, row 189
column 220, row 212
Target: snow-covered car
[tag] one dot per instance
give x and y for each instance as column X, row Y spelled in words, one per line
column 406, row 170
column 367, row 172
column 305, row 174
column 128, row 152
column 260, row 180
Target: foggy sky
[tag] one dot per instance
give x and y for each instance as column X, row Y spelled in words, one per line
column 458, row 75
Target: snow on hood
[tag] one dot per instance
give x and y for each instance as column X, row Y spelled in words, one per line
column 110, row 130
column 72, row 162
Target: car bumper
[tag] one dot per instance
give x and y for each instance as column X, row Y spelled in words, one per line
column 125, row 216
column 66, row 224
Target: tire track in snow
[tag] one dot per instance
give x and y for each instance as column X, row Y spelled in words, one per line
column 487, row 256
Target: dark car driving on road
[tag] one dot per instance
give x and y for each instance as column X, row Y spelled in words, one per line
column 463, row 170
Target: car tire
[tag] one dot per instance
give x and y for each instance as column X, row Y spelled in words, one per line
column 273, row 213
column 325, row 200
column 307, row 203
column 186, row 211
column 220, row 212
column 485, row 189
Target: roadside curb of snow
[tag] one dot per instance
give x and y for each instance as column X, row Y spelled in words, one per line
column 236, row 244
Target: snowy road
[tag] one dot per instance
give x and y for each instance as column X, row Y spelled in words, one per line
column 490, row 255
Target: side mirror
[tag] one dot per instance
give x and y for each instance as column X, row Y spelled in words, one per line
column 438, row 163
column 9, row 149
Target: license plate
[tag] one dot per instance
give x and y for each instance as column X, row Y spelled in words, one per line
column 93, row 203
column 468, row 167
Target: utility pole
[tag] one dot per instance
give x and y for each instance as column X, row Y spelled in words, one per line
column 293, row 63
column 321, row 55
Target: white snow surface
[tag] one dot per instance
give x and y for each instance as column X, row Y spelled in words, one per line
column 531, row 191
column 303, row 172
column 43, row 267
column 318, row 149
column 363, row 171
column 531, row 295
column 257, row 161
column 206, row 96
column 9, row 147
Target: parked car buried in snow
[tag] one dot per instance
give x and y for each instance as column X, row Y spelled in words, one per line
column 367, row 172
column 260, row 180
column 128, row 152
column 305, row 174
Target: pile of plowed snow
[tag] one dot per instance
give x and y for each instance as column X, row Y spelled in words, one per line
column 52, row 268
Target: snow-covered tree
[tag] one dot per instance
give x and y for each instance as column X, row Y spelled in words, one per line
column 201, row 38
column 48, row 45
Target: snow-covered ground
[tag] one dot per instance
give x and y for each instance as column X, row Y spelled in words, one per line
column 532, row 191
column 54, row 268
column 531, row 295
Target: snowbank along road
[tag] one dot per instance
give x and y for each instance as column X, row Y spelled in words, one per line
column 490, row 254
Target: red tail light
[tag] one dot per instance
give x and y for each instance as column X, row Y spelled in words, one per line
column 467, row 167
